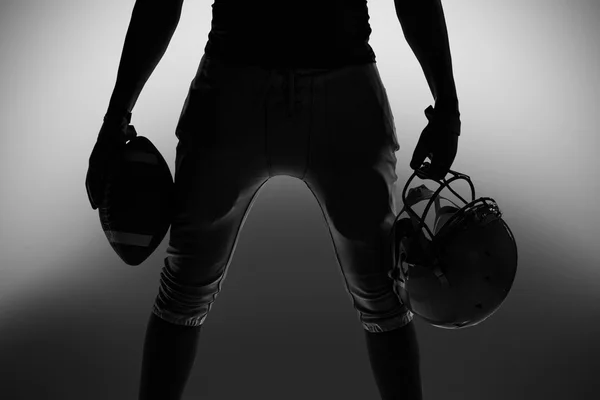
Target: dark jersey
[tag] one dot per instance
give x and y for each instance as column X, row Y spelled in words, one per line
column 297, row 33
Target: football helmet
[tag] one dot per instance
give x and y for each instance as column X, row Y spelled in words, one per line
column 458, row 275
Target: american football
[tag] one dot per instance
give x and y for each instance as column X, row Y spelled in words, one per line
column 138, row 209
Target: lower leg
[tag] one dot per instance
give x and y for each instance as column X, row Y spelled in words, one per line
column 394, row 357
column 169, row 354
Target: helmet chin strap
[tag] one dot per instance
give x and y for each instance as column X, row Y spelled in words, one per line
column 400, row 272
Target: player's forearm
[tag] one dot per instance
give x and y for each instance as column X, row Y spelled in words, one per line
column 424, row 27
column 151, row 28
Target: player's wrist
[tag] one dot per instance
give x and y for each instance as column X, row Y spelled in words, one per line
column 447, row 106
column 116, row 126
column 449, row 116
column 117, row 115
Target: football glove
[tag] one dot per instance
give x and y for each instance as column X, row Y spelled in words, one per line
column 439, row 142
column 105, row 160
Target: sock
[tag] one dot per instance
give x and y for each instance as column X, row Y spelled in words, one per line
column 395, row 361
column 169, row 355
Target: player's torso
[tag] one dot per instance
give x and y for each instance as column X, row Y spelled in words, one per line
column 311, row 33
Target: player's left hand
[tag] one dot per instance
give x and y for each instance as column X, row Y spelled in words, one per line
column 106, row 157
column 439, row 142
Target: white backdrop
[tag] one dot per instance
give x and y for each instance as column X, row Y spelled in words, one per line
column 72, row 316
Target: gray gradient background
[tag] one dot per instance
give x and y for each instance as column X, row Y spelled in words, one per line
column 72, row 316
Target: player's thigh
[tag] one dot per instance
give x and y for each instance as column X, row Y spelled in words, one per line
column 213, row 194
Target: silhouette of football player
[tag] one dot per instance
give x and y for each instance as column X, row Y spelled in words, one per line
column 287, row 88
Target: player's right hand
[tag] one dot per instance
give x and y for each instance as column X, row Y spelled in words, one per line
column 439, row 142
column 104, row 162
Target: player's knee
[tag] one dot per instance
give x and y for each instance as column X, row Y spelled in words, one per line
column 378, row 325
column 181, row 309
column 182, row 302
column 178, row 319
